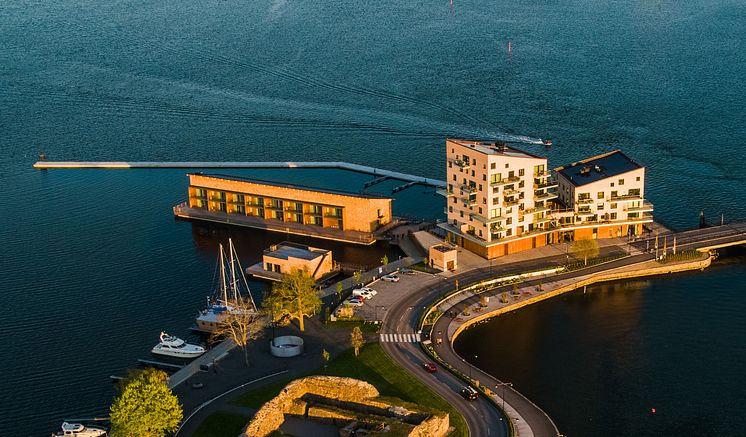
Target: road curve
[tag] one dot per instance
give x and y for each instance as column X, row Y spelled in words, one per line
column 482, row 417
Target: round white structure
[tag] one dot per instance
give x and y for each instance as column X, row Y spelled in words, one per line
column 286, row 346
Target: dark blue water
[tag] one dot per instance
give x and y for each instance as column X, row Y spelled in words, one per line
column 93, row 263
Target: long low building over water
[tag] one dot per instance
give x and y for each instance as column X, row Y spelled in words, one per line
column 289, row 208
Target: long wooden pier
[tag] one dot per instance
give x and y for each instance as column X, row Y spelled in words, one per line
column 378, row 172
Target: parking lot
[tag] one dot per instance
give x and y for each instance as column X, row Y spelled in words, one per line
column 389, row 293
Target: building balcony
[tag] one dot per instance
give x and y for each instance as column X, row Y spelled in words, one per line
column 625, row 198
column 485, row 220
column 547, row 184
column 645, row 206
column 469, row 188
column 534, row 210
column 543, row 174
column 544, row 219
column 512, row 202
column 545, row 196
column 505, row 181
column 586, row 201
column 508, row 193
column 274, row 207
column 460, row 163
column 584, row 212
column 444, row 192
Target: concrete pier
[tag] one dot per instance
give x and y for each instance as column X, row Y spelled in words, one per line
column 239, row 164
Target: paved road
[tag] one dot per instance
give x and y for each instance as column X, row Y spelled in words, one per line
column 482, row 418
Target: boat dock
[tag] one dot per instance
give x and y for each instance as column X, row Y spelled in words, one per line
column 378, row 172
column 202, row 363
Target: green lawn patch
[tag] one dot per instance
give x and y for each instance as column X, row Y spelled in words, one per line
column 222, row 424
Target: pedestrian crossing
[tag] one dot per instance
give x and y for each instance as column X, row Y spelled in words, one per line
column 399, row 338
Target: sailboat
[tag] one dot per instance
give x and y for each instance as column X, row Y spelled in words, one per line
column 227, row 298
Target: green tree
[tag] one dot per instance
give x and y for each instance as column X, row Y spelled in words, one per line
column 325, row 356
column 145, row 407
column 385, row 260
column 339, row 290
column 357, row 277
column 356, row 338
column 241, row 326
column 585, row 248
column 294, row 296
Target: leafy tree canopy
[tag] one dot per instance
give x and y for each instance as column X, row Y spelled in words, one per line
column 146, row 407
column 295, row 296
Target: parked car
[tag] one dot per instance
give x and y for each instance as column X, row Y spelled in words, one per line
column 365, row 292
column 355, row 302
column 430, row 367
column 469, row 393
column 406, row 271
column 390, row 278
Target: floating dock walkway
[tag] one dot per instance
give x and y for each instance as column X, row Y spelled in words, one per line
column 378, row 172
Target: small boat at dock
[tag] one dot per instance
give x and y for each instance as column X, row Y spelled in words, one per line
column 79, row 430
column 227, row 298
column 171, row 346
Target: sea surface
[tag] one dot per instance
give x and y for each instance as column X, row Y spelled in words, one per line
column 94, row 265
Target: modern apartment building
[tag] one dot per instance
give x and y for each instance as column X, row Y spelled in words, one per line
column 497, row 198
column 287, row 208
column 602, row 197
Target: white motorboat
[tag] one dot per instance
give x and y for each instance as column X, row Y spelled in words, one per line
column 175, row 347
column 78, row 430
column 227, row 298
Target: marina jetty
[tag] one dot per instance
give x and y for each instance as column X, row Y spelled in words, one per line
column 382, row 174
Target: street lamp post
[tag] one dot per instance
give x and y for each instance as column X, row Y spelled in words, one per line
column 503, row 384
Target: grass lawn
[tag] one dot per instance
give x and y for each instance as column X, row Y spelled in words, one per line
column 375, row 367
column 222, row 424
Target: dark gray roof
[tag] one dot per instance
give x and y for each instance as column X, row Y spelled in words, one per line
column 597, row 168
column 287, row 250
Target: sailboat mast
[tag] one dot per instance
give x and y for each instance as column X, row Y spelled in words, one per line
column 222, row 275
column 233, row 272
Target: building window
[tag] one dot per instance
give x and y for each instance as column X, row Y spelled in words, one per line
column 472, row 173
column 600, row 194
column 480, row 232
column 450, row 188
column 521, row 172
column 450, row 209
column 614, row 194
column 621, row 182
column 462, row 214
column 480, row 187
column 520, row 184
column 277, row 268
column 450, row 164
column 612, row 216
column 495, row 213
column 612, row 184
column 495, row 190
column 454, row 200
column 484, row 177
column 520, row 219
column 495, row 200
column 637, row 178
column 634, row 191
column 600, row 206
column 480, row 210
column 612, row 205
column 492, row 166
column 507, row 165
column 269, row 267
column 509, row 221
